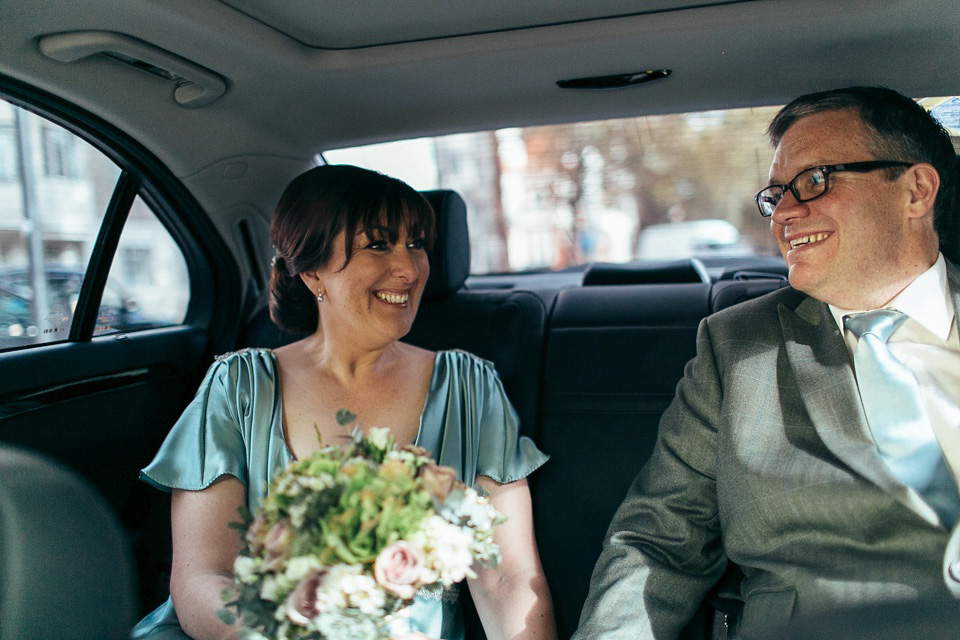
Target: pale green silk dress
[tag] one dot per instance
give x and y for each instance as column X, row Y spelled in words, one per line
column 234, row 426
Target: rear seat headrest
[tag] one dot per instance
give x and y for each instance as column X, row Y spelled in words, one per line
column 757, row 268
column 672, row 272
column 450, row 255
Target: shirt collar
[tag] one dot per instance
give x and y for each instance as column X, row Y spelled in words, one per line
column 926, row 300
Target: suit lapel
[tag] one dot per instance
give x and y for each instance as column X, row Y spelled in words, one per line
column 953, row 279
column 821, row 365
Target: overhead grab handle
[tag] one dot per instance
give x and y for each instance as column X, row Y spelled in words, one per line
column 615, row 81
column 196, row 85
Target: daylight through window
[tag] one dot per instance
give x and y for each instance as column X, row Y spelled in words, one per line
column 649, row 188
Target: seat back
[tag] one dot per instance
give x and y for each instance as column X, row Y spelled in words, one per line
column 65, row 569
column 739, row 285
column 669, row 272
column 613, row 359
column 505, row 327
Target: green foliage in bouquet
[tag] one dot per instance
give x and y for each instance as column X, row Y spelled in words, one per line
column 346, row 537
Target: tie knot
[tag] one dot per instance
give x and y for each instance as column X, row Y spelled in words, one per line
column 881, row 323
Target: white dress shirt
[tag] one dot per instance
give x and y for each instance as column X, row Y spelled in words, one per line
column 928, row 345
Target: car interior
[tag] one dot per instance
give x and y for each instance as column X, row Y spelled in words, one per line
column 206, row 109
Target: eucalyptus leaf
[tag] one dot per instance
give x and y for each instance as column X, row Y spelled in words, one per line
column 345, row 417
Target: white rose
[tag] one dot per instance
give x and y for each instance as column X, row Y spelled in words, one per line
column 379, row 437
column 245, row 569
column 401, row 455
column 297, row 514
column 299, row 567
column 333, row 625
column 270, row 590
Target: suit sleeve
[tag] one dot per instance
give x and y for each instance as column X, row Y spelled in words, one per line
column 662, row 552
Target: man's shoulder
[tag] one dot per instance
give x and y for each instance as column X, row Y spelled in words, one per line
column 953, row 269
column 767, row 305
column 756, row 325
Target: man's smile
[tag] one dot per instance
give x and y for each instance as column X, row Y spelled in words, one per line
column 810, row 239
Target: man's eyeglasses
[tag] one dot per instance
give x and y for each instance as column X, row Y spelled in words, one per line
column 814, row 182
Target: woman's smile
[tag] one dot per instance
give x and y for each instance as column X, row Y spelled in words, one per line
column 392, row 297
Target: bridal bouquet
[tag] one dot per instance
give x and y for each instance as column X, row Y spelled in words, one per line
column 345, row 538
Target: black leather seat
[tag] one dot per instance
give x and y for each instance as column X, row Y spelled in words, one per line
column 614, row 356
column 670, row 272
column 738, row 285
column 65, row 569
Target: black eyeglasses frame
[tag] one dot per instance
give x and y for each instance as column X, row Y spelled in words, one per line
column 858, row 167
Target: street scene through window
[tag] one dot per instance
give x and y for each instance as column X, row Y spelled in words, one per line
column 54, row 191
column 658, row 187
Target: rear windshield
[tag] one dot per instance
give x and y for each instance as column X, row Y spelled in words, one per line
column 648, row 188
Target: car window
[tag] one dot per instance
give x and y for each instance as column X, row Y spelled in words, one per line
column 552, row 197
column 55, row 189
column 147, row 285
column 658, row 187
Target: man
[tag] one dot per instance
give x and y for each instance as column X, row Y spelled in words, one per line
column 766, row 456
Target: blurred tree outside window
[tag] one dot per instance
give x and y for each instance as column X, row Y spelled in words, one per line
column 656, row 187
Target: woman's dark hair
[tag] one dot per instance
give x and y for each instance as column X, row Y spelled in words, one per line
column 898, row 128
column 313, row 209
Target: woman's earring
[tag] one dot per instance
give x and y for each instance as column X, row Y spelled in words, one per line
column 319, row 296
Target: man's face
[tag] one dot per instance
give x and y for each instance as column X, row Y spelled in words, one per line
column 851, row 247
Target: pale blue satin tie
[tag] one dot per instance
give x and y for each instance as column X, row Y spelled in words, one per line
column 895, row 413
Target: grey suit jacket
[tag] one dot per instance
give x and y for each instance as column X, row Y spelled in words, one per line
column 764, row 457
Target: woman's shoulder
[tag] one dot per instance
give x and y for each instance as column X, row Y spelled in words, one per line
column 468, row 366
column 251, row 365
column 247, row 353
column 459, row 355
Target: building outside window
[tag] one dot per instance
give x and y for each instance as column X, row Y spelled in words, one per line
column 61, row 157
column 47, row 234
column 136, row 266
column 8, row 155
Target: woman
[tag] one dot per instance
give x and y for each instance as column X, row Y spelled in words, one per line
column 350, row 268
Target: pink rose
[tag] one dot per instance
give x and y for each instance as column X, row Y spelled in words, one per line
column 397, row 569
column 302, row 601
column 276, row 542
column 255, row 532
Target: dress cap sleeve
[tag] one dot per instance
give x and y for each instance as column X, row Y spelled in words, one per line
column 214, row 433
column 490, row 442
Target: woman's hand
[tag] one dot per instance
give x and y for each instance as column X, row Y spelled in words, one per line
column 513, row 600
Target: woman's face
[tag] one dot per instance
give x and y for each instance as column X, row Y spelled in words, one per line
column 377, row 293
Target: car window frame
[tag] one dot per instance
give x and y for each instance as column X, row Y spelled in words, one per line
column 211, row 267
